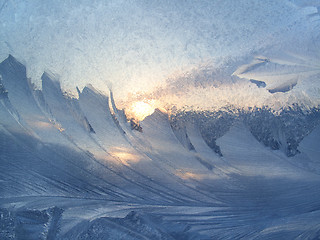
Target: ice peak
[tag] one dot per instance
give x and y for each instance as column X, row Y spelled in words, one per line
column 49, row 78
column 13, row 66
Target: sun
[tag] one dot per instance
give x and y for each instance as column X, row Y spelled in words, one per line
column 141, row 109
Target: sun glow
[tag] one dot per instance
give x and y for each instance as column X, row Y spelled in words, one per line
column 140, row 110
column 126, row 156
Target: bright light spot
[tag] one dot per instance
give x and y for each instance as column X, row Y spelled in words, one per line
column 140, row 110
column 189, row 175
column 126, row 156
